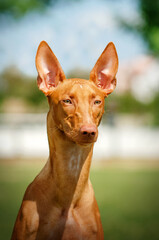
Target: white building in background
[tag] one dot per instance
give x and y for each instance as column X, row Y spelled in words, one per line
column 25, row 136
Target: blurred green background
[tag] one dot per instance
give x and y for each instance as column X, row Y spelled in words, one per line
column 127, row 197
column 126, row 188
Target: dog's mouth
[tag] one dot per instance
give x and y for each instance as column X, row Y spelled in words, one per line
column 82, row 139
column 83, row 135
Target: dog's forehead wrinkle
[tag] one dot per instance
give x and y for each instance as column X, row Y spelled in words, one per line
column 82, row 89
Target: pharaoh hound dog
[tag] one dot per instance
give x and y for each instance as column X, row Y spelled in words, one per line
column 60, row 203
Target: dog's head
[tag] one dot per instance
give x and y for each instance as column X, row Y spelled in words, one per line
column 76, row 105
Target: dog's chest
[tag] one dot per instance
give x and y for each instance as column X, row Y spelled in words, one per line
column 69, row 225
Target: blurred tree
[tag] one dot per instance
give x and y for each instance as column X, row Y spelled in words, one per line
column 150, row 26
column 78, row 72
column 18, row 8
column 14, row 84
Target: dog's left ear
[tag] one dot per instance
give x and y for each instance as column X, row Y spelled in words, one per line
column 104, row 72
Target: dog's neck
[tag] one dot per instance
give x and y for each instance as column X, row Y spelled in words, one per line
column 70, row 164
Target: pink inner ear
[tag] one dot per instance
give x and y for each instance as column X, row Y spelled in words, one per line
column 47, row 82
column 50, row 79
column 105, row 81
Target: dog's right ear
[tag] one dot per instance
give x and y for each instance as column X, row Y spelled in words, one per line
column 49, row 70
column 104, row 72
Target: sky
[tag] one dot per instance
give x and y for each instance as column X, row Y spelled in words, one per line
column 77, row 32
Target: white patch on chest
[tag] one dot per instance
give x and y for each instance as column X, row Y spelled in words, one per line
column 75, row 162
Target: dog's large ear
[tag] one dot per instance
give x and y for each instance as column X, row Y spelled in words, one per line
column 49, row 70
column 104, row 72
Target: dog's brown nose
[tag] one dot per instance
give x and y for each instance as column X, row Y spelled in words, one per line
column 88, row 130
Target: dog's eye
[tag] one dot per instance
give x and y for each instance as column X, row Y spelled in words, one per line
column 67, row 101
column 97, row 102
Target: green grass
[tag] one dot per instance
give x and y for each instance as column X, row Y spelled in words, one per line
column 128, row 199
column 128, row 202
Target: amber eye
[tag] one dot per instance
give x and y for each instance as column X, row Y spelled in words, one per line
column 67, row 101
column 97, row 102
